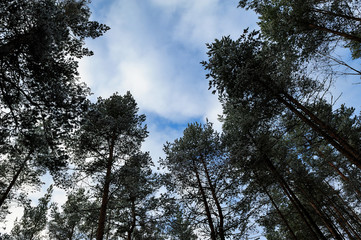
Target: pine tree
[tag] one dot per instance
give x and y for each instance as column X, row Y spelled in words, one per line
column 77, row 217
column 310, row 25
column 199, row 176
column 40, row 95
column 110, row 136
column 33, row 222
column 250, row 73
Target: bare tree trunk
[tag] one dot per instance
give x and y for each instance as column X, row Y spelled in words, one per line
column 279, row 213
column 12, row 183
column 314, row 204
column 103, row 208
column 346, row 209
column 336, row 14
column 300, row 208
column 109, row 226
column 345, row 224
column 343, row 176
column 205, row 202
column 345, row 35
column 322, row 131
column 215, row 198
column 328, row 133
column 70, row 237
column 130, row 231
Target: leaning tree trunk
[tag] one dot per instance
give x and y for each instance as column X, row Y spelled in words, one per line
column 296, row 202
column 325, row 219
column 327, row 132
column 279, row 212
column 342, row 34
column 12, row 183
column 321, row 128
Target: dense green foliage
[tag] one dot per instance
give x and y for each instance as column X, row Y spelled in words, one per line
column 199, row 173
column 310, row 25
column 40, row 95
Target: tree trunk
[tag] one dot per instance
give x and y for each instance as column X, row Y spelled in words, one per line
column 336, row 14
column 12, row 183
column 279, row 213
column 329, row 130
column 321, row 131
column 91, row 233
column 345, row 35
column 343, row 176
column 130, row 231
column 103, row 208
column 215, row 198
column 314, row 204
column 329, row 134
column 109, row 226
column 337, row 169
column 300, row 208
column 70, row 237
column 205, row 202
column 345, row 224
column 345, row 208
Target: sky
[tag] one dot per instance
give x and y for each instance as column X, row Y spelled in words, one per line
column 154, row 49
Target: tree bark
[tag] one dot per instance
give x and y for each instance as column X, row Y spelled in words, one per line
column 345, row 208
column 341, row 34
column 345, row 224
column 343, row 176
column 330, row 131
column 314, row 204
column 322, row 132
column 70, row 237
column 12, row 183
column 329, row 134
column 336, row 14
column 205, row 202
column 215, row 198
column 130, row 231
column 293, row 198
column 280, row 213
column 103, row 208
column 109, row 226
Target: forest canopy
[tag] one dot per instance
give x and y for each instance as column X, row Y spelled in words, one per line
column 286, row 165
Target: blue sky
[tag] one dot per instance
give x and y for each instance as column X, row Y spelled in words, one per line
column 154, row 50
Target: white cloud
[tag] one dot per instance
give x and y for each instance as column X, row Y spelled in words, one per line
column 16, row 213
column 157, row 138
column 156, row 56
column 202, row 21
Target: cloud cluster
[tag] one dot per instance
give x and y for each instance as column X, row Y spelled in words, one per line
column 154, row 48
